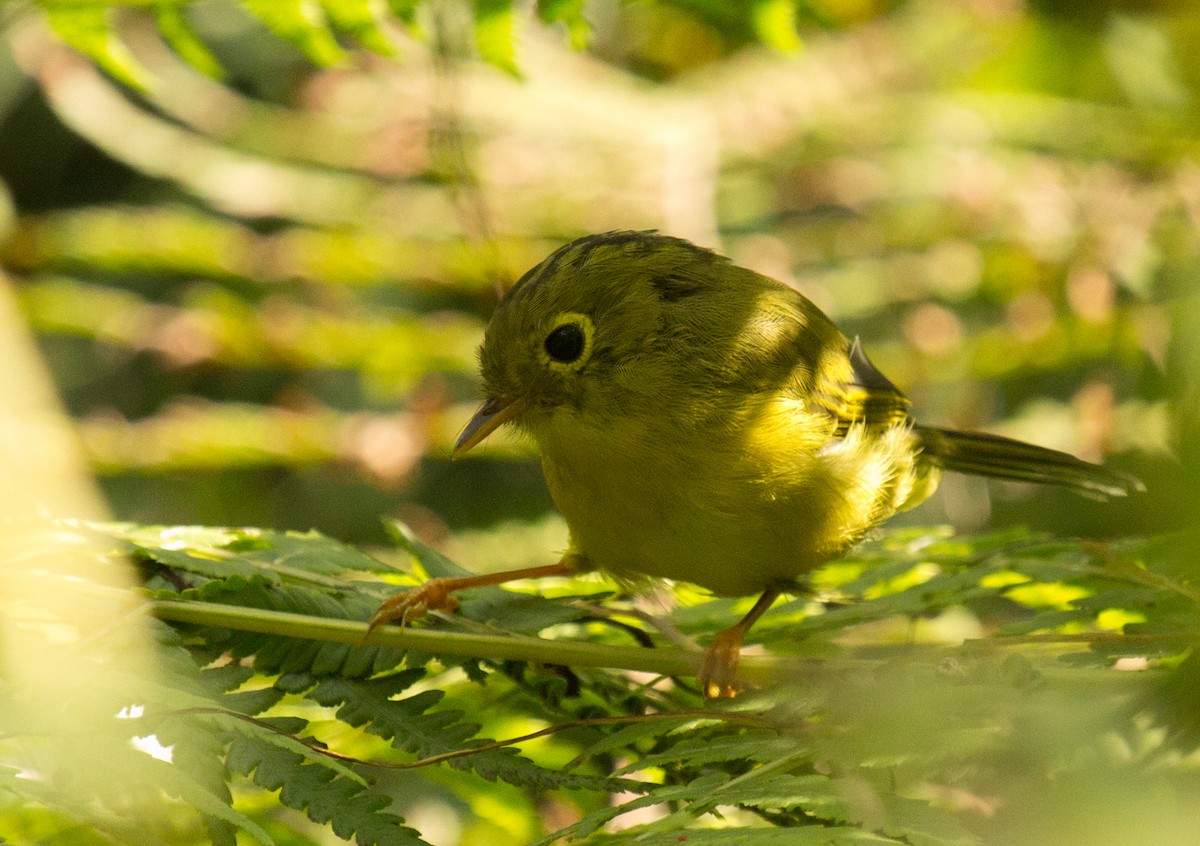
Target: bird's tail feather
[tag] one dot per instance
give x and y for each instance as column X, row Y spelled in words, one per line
column 1005, row 458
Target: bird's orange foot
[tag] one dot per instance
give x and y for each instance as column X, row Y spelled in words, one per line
column 718, row 668
column 433, row 595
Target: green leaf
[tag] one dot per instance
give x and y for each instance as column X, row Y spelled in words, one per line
column 362, row 20
column 175, row 783
column 276, row 654
column 278, row 734
column 633, row 733
column 817, row 794
column 496, row 34
column 570, row 14
column 921, row 824
column 660, row 795
column 748, row 745
column 432, row 562
column 1175, row 702
column 218, row 553
column 225, row 678
column 89, row 30
column 405, row 10
column 892, row 718
column 324, row 796
column 303, row 23
column 306, row 553
column 413, row 724
column 174, row 27
column 775, row 25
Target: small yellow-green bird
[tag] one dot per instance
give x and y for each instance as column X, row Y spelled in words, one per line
column 698, row 421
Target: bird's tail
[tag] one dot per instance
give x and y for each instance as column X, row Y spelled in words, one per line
column 1005, row 458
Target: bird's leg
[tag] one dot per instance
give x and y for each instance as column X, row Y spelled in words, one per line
column 718, row 667
column 435, row 594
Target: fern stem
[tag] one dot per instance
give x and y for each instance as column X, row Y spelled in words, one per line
column 667, row 661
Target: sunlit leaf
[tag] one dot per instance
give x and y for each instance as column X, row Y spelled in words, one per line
column 364, row 21
column 303, row 23
column 88, row 28
column 570, row 13
column 775, row 25
column 173, row 24
column 496, row 33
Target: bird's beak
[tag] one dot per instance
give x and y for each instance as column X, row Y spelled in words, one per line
column 491, row 416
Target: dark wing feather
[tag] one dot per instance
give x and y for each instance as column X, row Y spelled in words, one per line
column 857, row 393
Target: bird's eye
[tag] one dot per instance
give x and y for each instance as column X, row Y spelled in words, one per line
column 568, row 342
column 565, row 343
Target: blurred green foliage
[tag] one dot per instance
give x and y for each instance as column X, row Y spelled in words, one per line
column 275, row 281
column 259, row 278
column 934, row 689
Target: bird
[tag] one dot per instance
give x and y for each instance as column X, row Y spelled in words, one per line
column 698, row 421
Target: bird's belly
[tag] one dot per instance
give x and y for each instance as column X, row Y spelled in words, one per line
column 730, row 512
column 636, row 513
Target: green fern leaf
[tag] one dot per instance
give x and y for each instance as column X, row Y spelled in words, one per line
column 274, row 654
column 632, row 734
column 88, row 28
column 503, row 609
column 570, row 14
column 174, row 781
column 921, row 824
column 219, row 552
column 818, row 795
column 592, row 822
column 308, row 553
column 320, row 793
column 224, row 678
column 411, row 724
column 496, row 34
column 173, row 26
column 363, row 21
column 750, row 745
column 775, row 25
column 279, row 732
column 199, row 752
column 301, row 22
column 432, row 562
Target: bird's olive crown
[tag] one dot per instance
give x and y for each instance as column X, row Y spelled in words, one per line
column 575, row 325
column 628, row 323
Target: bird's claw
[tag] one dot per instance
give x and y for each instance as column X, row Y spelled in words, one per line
column 718, row 668
column 433, row 595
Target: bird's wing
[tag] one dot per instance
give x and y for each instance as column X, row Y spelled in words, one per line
column 853, row 391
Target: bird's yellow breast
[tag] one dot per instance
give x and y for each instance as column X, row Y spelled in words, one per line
column 734, row 504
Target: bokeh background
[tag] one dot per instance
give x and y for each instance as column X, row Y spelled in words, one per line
column 260, row 294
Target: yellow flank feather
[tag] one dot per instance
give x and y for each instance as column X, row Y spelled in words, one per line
column 698, row 421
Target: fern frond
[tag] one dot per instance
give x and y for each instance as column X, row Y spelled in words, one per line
column 323, row 795
column 413, row 725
